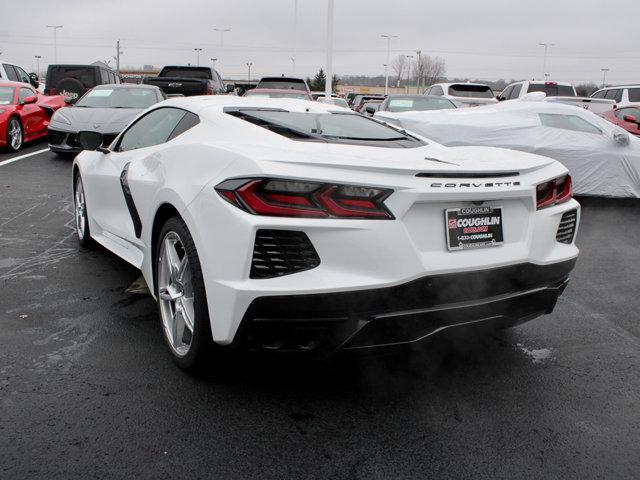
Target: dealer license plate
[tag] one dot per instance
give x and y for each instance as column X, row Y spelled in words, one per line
column 473, row 227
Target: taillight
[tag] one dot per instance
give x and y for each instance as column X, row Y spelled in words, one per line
column 553, row 192
column 297, row 198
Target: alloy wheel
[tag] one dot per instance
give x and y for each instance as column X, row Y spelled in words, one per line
column 175, row 292
column 80, row 209
column 15, row 134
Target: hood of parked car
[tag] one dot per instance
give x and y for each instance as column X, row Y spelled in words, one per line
column 103, row 120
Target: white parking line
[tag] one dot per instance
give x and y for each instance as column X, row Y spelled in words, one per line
column 15, row 159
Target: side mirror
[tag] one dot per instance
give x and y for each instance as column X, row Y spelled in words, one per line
column 370, row 110
column 91, row 141
column 630, row 119
column 33, row 80
column 231, row 87
column 500, row 98
column 28, row 100
column 621, row 138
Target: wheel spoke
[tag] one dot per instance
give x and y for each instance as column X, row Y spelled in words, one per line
column 179, row 325
column 185, row 309
column 172, row 258
column 184, row 263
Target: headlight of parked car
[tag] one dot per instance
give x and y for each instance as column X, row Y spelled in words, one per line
column 60, row 118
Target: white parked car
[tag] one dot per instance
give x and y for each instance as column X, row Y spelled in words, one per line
column 285, row 225
column 622, row 95
column 555, row 92
column 463, row 94
column 14, row 73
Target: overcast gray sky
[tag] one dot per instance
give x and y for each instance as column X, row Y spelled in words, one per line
column 487, row 39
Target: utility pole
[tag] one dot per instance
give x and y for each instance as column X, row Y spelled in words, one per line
column 328, row 87
column 604, row 76
column 249, row 64
column 118, row 53
column 386, row 65
column 546, row 50
column 295, row 34
column 38, row 57
column 197, row 50
column 55, row 41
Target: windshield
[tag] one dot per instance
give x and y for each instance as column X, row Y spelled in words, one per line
column 418, row 104
column 471, row 91
column 6, row 95
column 293, row 94
column 121, row 97
column 552, row 89
column 330, row 127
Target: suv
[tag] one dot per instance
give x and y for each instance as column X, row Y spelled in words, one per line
column 73, row 81
column 283, row 83
column 623, row 95
column 463, row 94
column 13, row 73
column 551, row 89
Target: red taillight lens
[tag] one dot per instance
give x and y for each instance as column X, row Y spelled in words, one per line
column 292, row 198
column 553, row 192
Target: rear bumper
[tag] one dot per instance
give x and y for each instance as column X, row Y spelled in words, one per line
column 370, row 319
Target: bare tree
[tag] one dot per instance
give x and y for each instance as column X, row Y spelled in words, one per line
column 427, row 70
column 399, row 65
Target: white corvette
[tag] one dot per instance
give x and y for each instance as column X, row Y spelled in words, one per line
column 298, row 226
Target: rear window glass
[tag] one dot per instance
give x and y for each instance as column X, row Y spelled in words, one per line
column 186, row 73
column 634, row 94
column 552, row 90
column 300, row 96
column 418, row 104
column 283, row 84
column 327, row 127
column 86, row 75
column 471, row 91
column 568, row 122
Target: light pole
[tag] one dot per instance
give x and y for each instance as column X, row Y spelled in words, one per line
column 55, row 41
column 197, row 50
column 295, row 34
column 38, row 57
column 408, row 57
column 213, row 63
column 249, row 64
column 546, row 50
column 420, row 69
column 604, row 76
column 222, row 30
column 386, row 65
column 328, row 87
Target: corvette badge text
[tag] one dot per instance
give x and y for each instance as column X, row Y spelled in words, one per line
column 474, row 185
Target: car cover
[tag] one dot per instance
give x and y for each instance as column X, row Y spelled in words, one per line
column 602, row 158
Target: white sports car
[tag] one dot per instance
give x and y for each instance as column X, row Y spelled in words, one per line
column 297, row 226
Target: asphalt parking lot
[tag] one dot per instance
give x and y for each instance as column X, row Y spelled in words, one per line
column 88, row 390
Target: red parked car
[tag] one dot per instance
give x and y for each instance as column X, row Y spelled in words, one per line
column 24, row 114
column 627, row 117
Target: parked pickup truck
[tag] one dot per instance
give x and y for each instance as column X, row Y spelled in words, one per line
column 188, row 81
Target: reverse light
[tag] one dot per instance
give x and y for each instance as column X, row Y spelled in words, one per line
column 553, row 192
column 294, row 198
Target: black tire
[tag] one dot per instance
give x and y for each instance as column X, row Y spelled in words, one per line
column 72, row 88
column 202, row 345
column 14, row 121
column 84, row 234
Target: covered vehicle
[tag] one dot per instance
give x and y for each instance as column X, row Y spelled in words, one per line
column 603, row 159
column 277, row 93
column 24, row 114
column 282, row 225
column 106, row 109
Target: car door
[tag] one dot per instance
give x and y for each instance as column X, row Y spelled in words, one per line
column 32, row 116
column 106, row 186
